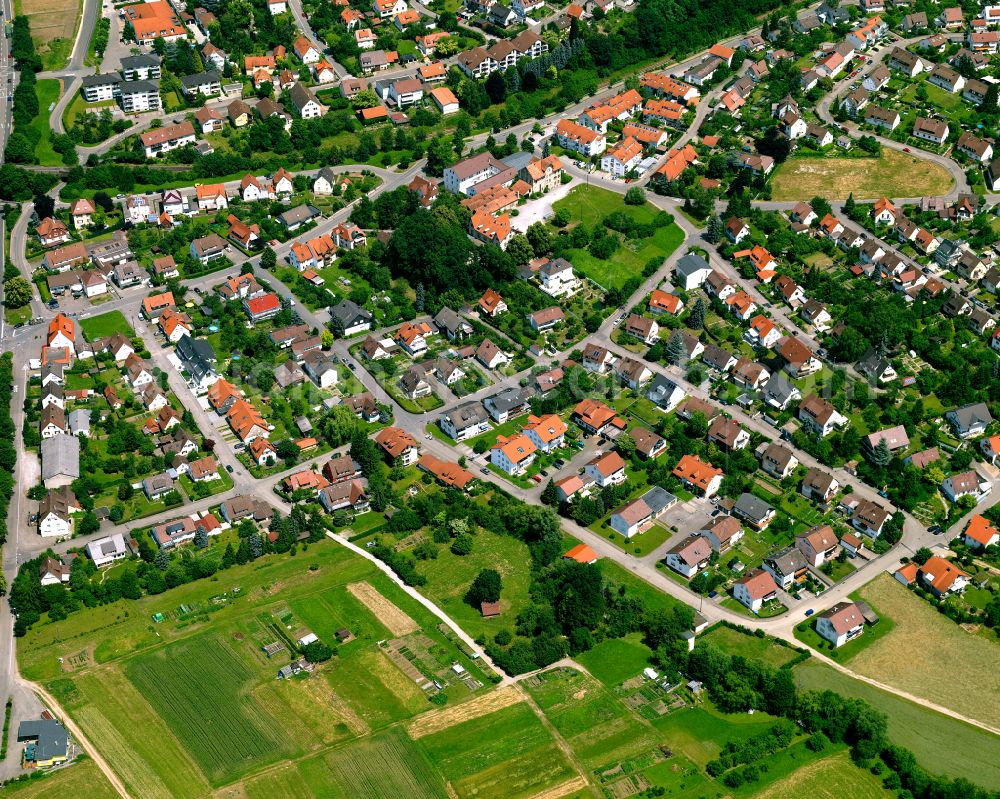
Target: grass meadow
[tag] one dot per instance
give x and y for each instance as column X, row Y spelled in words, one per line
column 941, row 744
column 106, row 324
column 589, row 205
column 833, row 777
column 449, row 577
column 929, row 655
column 749, row 646
column 615, row 660
column 82, row 781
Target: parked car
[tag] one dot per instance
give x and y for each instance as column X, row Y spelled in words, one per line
column 809, row 612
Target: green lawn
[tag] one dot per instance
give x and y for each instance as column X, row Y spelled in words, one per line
column 79, row 106
column 48, row 91
column 641, row 544
column 81, row 781
column 941, row 744
column 806, row 633
column 615, row 660
column 734, row 642
column 589, row 205
column 449, row 577
column 106, row 324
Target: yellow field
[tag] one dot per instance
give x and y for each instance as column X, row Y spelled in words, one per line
column 930, row 656
column 895, row 174
column 438, row 720
column 833, row 777
column 395, row 620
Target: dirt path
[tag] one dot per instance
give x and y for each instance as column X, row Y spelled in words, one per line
column 560, row 742
column 87, row 747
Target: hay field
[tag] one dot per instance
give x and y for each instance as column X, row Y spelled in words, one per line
column 53, row 27
column 394, row 619
column 930, row 656
column 833, row 777
column 895, row 174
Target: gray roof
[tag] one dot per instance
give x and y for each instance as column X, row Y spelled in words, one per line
column 209, row 76
column 779, row 387
column 101, row 80
column 787, row 561
column 467, row 415
column 300, row 95
column 52, row 740
column 141, row 61
column 752, row 507
column 661, row 388
column 196, row 355
column 60, row 456
column 79, row 421
column 691, row 263
column 657, row 499
column 969, row 415
column 451, row 321
column 508, row 399
column 138, row 87
column 298, row 215
column 350, row 313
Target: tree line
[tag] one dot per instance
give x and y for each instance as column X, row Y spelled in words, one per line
column 737, row 684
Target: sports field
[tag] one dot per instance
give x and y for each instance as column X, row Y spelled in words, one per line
column 895, row 174
column 941, row 744
column 833, row 777
column 928, row 655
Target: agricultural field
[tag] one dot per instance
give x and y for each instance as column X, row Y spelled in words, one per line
column 832, row 777
column 83, row 780
column 106, row 324
column 509, row 748
column 941, row 744
column 589, row 205
column 598, row 727
column 929, row 655
column 200, row 689
column 385, row 766
column 734, row 642
column 206, row 712
column 894, row 175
